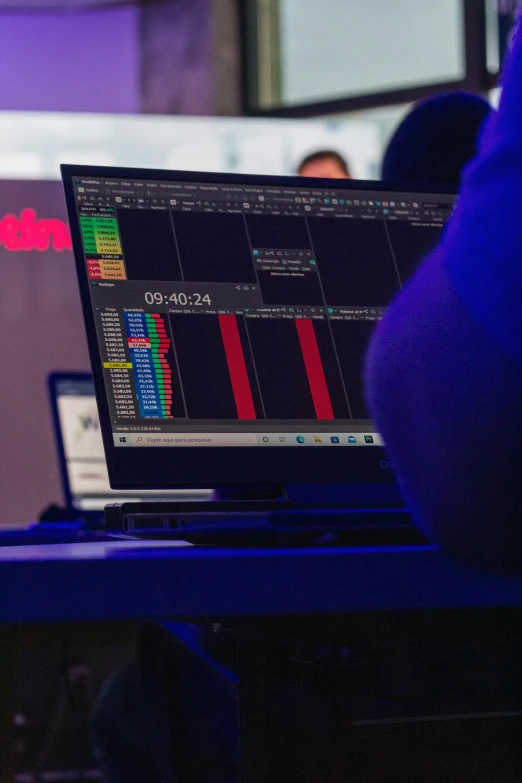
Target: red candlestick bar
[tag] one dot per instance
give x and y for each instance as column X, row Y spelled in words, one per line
column 237, row 367
column 314, row 369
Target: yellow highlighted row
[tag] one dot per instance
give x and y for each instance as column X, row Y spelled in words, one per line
column 118, row 365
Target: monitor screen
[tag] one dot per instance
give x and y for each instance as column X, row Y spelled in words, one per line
column 231, row 315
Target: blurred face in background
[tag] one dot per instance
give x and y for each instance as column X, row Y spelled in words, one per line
column 328, row 168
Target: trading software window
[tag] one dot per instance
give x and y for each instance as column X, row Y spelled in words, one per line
column 232, row 315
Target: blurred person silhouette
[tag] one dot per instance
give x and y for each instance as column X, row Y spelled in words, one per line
column 324, row 163
column 444, row 368
column 436, row 139
column 171, row 713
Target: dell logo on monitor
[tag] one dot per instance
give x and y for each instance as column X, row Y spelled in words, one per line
column 385, row 464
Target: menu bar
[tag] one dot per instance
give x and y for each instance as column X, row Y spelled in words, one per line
column 105, row 196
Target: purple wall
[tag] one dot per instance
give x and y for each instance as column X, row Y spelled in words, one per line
column 42, row 330
column 85, row 61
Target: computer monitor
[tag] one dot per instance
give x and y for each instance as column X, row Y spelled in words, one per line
column 228, row 318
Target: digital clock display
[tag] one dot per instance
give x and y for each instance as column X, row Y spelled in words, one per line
column 181, row 299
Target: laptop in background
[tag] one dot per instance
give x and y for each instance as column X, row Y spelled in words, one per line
column 83, row 468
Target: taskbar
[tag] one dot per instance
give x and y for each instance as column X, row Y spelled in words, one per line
column 246, row 439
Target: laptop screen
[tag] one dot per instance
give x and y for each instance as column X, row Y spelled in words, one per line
column 86, row 480
column 239, row 315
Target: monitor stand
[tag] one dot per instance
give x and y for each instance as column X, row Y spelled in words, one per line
column 253, row 515
column 231, row 514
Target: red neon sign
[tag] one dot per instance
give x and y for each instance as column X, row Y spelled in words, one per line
column 28, row 232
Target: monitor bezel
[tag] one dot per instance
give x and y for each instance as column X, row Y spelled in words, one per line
column 173, row 468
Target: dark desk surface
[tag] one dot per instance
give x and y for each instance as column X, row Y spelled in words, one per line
column 132, row 580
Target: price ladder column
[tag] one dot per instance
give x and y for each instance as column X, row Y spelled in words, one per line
column 145, row 374
column 117, row 364
column 160, row 345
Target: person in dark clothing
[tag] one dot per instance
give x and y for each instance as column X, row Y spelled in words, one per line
column 436, row 139
column 444, row 369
